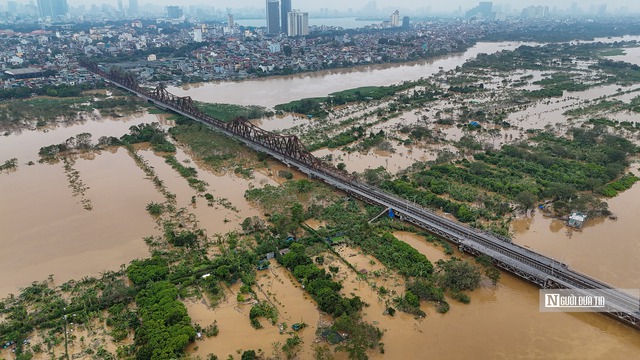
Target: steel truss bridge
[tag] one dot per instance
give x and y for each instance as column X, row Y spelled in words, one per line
column 541, row 270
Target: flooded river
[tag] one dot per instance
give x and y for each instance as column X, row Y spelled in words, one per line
column 282, row 89
column 47, row 231
column 606, row 249
column 503, row 322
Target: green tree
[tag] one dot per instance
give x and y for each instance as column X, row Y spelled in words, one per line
column 458, row 275
column 525, row 200
column 249, row 355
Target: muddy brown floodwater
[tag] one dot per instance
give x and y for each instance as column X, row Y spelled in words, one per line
column 606, row 249
column 502, row 322
column 275, row 285
column 281, row 89
column 45, row 230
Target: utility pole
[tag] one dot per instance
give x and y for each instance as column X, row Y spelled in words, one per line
column 66, row 345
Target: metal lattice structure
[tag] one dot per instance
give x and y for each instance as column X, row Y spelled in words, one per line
column 533, row 267
column 289, row 146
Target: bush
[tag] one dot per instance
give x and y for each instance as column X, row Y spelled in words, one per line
column 285, row 174
column 248, row 355
column 461, row 297
column 141, row 272
column 263, row 309
column 155, row 209
column 412, row 299
column 166, row 328
column 443, row 307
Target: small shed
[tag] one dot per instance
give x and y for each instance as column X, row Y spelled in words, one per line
column 577, row 219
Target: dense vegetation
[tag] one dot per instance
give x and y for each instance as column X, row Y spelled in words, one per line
column 317, row 106
column 165, row 329
column 62, row 91
column 548, row 167
column 230, row 112
column 151, row 133
column 41, row 111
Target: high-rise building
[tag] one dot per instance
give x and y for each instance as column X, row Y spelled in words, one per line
column 406, row 22
column 174, row 12
column 602, row 9
column 120, row 9
column 298, row 23
column 232, row 23
column 133, row 7
column 395, row 19
column 12, row 7
column 53, row 8
column 197, row 35
column 484, row 10
column 273, row 17
column 285, row 9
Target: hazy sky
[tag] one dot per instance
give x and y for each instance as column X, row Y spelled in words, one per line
column 358, row 4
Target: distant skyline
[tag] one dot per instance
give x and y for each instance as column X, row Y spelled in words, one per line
column 312, row 5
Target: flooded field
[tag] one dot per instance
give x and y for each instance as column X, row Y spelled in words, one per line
column 24, row 144
column 391, row 161
column 225, row 187
column 60, row 237
column 275, row 285
column 48, row 231
column 282, row 122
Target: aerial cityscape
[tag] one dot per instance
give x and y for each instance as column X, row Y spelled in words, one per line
column 286, row 179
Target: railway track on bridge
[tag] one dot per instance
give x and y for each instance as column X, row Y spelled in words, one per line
column 541, row 270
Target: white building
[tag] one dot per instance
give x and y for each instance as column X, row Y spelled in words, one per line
column 395, row 19
column 197, row 35
column 298, row 23
column 274, row 48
